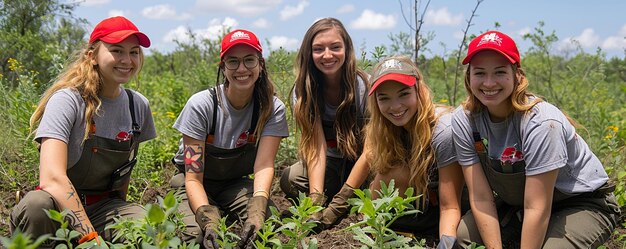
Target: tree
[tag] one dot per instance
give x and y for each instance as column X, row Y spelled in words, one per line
column 39, row 34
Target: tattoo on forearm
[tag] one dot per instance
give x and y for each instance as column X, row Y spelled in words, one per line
column 72, row 193
column 76, row 221
column 193, row 159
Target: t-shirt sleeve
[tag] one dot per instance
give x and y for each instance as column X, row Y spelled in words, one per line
column 462, row 136
column 59, row 117
column 544, row 144
column 442, row 142
column 194, row 119
column 277, row 123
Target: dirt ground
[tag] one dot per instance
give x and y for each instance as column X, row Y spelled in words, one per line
column 330, row 238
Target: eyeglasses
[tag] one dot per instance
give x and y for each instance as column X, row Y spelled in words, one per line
column 250, row 62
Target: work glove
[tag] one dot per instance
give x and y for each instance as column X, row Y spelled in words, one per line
column 337, row 208
column 208, row 217
column 446, row 242
column 318, row 199
column 257, row 206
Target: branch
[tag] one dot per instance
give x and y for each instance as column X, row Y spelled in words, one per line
column 458, row 55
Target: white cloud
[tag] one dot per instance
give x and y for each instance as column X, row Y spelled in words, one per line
column 164, row 12
column 372, row 20
column 588, row 38
column 261, row 23
column 245, row 7
column 213, row 31
column 283, row 42
column 522, row 32
column 345, row 9
column 124, row 13
column 442, row 17
column 90, row 3
column 616, row 42
column 291, row 11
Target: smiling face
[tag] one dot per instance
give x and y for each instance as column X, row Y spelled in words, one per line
column 397, row 102
column 242, row 78
column 492, row 82
column 329, row 52
column 119, row 62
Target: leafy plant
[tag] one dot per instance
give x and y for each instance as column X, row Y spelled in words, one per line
column 374, row 230
column 20, row 240
column 226, row 239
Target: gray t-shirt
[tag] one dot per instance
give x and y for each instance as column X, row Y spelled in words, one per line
column 330, row 111
column 442, row 142
column 197, row 116
column 546, row 139
column 64, row 119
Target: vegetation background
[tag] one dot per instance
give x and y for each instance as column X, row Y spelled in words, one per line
column 37, row 37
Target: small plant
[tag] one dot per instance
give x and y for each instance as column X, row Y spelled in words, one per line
column 373, row 231
column 226, row 239
column 161, row 227
column 20, row 240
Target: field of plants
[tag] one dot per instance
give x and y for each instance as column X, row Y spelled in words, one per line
column 589, row 87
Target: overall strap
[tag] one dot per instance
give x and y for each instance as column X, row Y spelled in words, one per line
column 255, row 116
column 214, row 97
column 131, row 107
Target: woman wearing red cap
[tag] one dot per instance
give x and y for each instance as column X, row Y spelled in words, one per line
column 329, row 102
column 89, row 128
column 551, row 190
column 224, row 129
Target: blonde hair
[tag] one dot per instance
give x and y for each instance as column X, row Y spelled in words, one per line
column 309, row 86
column 80, row 75
column 384, row 139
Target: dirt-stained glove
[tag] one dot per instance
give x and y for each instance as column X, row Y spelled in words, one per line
column 318, row 199
column 208, row 217
column 447, row 242
column 257, row 207
column 338, row 206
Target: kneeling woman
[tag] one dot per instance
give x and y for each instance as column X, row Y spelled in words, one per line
column 552, row 190
column 409, row 139
column 224, row 128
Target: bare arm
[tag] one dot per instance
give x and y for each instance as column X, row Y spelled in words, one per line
column 537, row 208
column 483, row 205
column 317, row 168
column 360, row 171
column 194, row 172
column 264, row 164
column 450, row 187
column 53, row 179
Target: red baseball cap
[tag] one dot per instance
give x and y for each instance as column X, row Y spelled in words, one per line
column 115, row 30
column 239, row 36
column 393, row 69
column 493, row 40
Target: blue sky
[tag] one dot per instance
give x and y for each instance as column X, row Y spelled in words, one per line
column 592, row 24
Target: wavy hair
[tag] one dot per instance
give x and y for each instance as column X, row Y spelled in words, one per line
column 80, row 75
column 385, row 140
column 309, row 89
column 263, row 92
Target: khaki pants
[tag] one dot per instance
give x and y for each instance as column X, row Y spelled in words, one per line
column 230, row 196
column 29, row 216
column 294, row 178
column 577, row 222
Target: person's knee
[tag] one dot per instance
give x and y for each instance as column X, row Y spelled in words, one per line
column 287, row 184
column 33, row 206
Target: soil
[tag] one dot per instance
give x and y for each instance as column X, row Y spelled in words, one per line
column 334, row 237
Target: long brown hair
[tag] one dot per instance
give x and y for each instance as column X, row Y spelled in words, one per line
column 384, row 139
column 263, row 93
column 309, row 86
column 80, row 75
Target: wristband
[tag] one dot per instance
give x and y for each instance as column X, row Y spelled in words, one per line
column 89, row 237
column 261, row 192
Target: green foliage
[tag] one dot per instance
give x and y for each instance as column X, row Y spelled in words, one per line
column 374, row 230
column 22, row 241
column 226, row 239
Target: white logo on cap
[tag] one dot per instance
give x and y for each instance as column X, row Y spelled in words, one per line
column 391, row 64
column 490, row 38
column 239, row 35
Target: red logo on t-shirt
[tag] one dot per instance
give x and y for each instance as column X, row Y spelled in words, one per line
column 243, row 139
column 512, row 155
